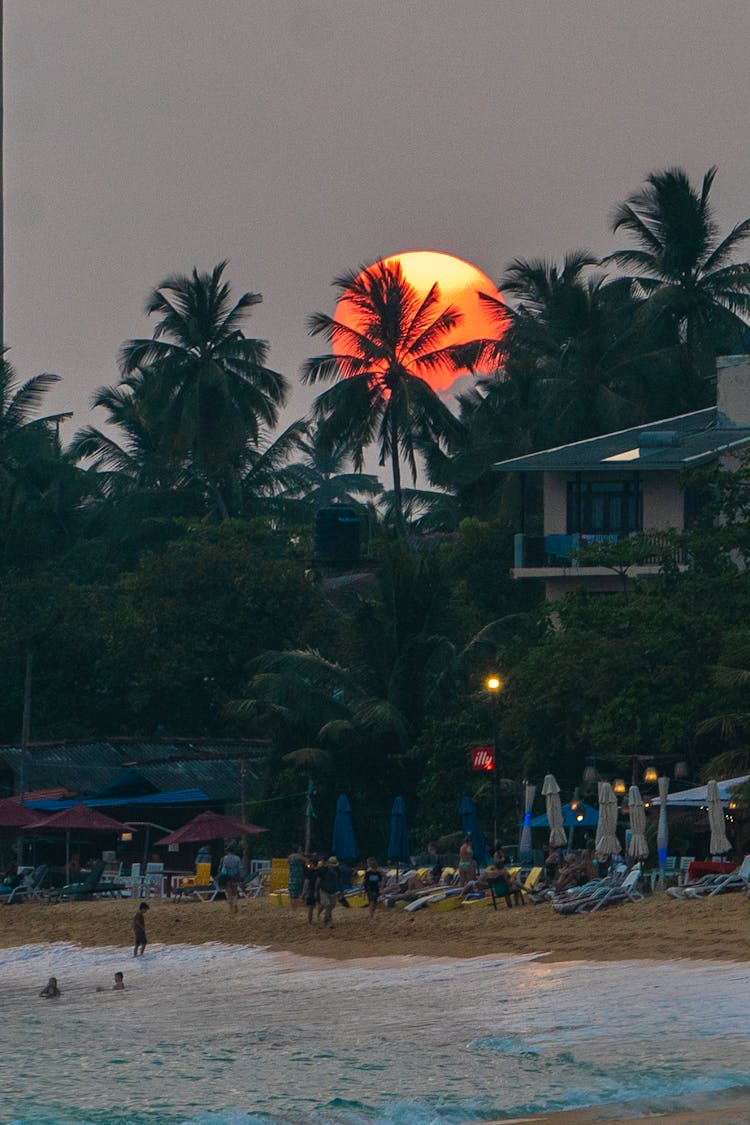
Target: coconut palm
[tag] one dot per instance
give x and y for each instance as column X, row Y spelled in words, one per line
column 683, row 268
column 382, row 395
column 322, row 476
column 139, row 461
column 577, row 336
column 217, row 392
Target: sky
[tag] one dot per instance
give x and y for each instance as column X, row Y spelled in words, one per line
column 302, row 138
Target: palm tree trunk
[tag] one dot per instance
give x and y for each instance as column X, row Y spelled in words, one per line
column 396, row 468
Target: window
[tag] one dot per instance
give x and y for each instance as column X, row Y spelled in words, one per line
column 604, row 507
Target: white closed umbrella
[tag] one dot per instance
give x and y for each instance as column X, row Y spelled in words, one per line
column 607, row 843
column 551, row 791
column 719, row 843
column 637, row 846
column 524, row 844
column 662, row 831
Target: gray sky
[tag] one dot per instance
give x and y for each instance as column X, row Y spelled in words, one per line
column 299, row 138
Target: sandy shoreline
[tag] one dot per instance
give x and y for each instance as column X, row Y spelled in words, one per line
column 658, row 928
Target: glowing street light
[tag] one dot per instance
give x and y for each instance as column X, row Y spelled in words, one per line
column 494, row 686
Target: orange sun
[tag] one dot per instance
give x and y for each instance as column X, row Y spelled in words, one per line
column 459, row 284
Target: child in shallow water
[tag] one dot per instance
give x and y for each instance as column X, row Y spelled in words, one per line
column 50, row 990
column 118, row 986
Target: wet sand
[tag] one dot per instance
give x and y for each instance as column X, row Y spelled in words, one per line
column 657, row 928
column 729, row 1107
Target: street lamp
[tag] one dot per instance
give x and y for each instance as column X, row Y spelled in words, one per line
column 494, row 686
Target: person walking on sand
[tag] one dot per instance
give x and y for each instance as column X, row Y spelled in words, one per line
column 310, row 886
column 230, row 877
column 328, row 888
column 50, row 990
column 372, row 880
column 139, row 929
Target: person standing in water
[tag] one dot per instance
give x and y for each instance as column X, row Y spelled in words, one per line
column 50, row 990
column 139, row 929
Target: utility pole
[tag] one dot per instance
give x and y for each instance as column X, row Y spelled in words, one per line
column 308, row 816
column 2, row 186
column 25, row 737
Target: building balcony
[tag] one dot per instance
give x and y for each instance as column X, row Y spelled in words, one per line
column 548, row 556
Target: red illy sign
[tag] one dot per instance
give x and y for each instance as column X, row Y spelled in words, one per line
column 483, row 758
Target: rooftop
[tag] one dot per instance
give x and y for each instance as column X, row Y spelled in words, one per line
column 683, row 442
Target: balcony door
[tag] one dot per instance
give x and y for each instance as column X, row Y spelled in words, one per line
column 607, row 507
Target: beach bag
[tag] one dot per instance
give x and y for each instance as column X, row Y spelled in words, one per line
column 223, row 878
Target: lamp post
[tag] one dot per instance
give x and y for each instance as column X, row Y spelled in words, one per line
column 494, row 686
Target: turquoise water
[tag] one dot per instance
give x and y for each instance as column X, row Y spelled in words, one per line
column 217, row 1035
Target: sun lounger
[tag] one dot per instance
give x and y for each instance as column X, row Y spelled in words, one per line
column 568, row 901
column 31, row 890
column 625, row 890
column 735, row 881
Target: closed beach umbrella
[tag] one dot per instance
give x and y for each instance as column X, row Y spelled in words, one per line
column 551, row 791
column 607, row 843
column 524, row 843
column 719, row 843
column 398, row 838
column 209, row 826
column 343, row 843
column 470, row 825
column 662, row 832
column 637, row 846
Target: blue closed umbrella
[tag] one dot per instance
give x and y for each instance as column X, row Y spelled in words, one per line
column 470, row 824
column 398, row 840
column 343, row 843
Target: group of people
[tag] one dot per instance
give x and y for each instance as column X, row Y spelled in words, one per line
column 51, row 990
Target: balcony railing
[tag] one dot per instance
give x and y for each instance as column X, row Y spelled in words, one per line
column 539, row 551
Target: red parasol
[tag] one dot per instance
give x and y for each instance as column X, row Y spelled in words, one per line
column 209, row 826
column 15, row 815
column 78, row 818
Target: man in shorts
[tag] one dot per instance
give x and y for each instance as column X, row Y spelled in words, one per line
column 328, row 888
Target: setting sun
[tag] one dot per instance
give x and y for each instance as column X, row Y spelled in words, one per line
column 459, row 285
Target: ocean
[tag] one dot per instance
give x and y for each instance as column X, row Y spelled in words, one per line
column 230, row 1035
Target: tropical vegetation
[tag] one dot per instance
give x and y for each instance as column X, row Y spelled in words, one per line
column 159, row 571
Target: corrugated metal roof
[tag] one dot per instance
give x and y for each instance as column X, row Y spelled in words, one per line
column 90, row 767
column 176, row 797
column 696, row 437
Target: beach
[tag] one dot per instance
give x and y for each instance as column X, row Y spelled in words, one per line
column 657, row 928
column 237, row 1011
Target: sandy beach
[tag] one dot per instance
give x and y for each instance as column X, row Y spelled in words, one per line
column 658, row 929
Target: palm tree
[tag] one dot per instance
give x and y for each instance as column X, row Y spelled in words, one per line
column 575, row 337
column 139, row 461
column 381, row 366
column 322, row 476
column 39, row 488
column 217, row 392
column 684, row 269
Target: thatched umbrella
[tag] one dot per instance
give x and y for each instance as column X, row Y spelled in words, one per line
column 637, row 846
column 719, row 844
column 551, row 790
column 607, row 843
